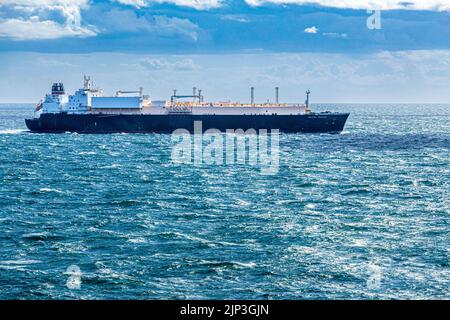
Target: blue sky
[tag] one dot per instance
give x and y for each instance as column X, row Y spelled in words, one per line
column 228, row 45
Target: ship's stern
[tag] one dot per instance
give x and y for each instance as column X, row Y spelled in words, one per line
column 33, row 124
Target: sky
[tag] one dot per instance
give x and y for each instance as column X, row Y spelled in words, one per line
column 344, row 51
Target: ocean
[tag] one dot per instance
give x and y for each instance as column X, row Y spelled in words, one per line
column 360, row 215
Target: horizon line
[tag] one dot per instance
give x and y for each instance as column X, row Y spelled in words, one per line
column 313, row 103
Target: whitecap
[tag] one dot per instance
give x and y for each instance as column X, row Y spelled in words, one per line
column 12, row 267
column 19, row 262
column 137, row 240
column 302, row 249
column 87, row 153
column 104, row 271
column 226, row 243
column 113, row 166
column 242, row 203
column 244, row 264
column 50, row 190
column 359, row 243
column 192, row 238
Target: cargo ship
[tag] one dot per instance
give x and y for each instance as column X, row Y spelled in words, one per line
column 88, row 110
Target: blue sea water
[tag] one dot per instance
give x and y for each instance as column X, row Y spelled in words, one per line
column 361, row 215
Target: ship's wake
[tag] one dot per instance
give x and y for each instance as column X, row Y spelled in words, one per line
column 13, row 131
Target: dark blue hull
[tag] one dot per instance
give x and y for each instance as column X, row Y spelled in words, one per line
column 97, row 123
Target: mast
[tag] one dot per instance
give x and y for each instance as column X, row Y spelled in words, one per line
column 87, row 80
column 307, row 99
column 252, row 95
column 276, row 95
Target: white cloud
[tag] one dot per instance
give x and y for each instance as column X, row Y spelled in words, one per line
column 134, row 3
column 157, row 25
column 335, row 35
column 196, row 4
column 70, row 9
column 439, row 5
column 164, row 64
column 172, row 25
column 311, row 30
column 235, row 17
column 34, row 28
column 29, row 23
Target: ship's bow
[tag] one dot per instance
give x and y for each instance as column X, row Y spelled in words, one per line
column 341, row 121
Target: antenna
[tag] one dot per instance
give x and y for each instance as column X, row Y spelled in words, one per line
column 307, row 98
column 276, row 95
column 172, row 99
column 87, row 79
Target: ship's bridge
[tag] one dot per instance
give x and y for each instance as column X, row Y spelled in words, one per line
column 56, row 100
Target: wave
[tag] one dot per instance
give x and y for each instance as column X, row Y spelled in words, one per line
column 49, row 190
column 19, row 262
